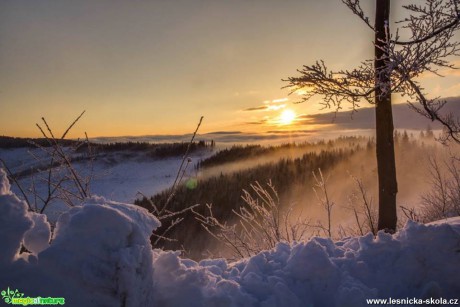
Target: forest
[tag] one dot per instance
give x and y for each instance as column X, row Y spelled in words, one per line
column 291, row 170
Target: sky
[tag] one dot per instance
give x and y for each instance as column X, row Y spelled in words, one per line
column 155, row 67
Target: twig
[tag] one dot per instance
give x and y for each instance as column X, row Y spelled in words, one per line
column 181, row 171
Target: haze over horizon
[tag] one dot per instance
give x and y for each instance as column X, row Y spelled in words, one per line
column 154, row 67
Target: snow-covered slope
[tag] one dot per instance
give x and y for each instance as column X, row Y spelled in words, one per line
column 117, row 175
column 100, row 255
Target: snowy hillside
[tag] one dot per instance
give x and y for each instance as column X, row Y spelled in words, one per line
column 116, row 175
column 100, row 255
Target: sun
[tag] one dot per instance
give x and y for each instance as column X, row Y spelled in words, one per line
column 287, row 117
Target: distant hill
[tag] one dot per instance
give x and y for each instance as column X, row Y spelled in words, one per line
column 404, row 117
column 7, row 142
column 154, row 150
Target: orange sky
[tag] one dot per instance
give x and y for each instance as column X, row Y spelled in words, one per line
column 155, row 67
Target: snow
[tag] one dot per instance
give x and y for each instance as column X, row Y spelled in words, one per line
column 118, row 176
column 122, row 179
column 37, row 238
column 100, row 255
column 14, row 221
column 322, row 273
column 453, row 221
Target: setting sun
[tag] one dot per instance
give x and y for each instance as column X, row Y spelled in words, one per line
column 287, row 117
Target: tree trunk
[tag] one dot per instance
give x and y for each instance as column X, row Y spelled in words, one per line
column 386, row 167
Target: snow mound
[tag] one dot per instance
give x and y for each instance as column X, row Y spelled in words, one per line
column 14, row 221
column 420, row 261
column 37, row 238
column 100, row 255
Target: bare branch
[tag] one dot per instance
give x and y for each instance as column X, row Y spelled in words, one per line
column 182, row 168
column 355, row 7
column 321, row 193
column 261, row 223
column 430, row 21
column 72, row 124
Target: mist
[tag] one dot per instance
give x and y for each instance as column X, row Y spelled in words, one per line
column 413, row 177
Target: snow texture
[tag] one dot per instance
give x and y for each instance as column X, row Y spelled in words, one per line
column 37, row 238
column 101, row 255
column 118, row 176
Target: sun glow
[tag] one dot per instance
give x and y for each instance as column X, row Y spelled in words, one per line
column 287, row 117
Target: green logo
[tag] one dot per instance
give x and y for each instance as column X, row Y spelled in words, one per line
column 8, row 295
column 14, row 297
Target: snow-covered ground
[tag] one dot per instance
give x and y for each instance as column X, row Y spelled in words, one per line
column 117, row 175
column 100, row 255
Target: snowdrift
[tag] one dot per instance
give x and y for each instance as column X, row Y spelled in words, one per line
column 100, row 255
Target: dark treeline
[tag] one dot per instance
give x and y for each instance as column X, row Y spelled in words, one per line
column 232, row 154
column 224, row 192
column 163, row 150
column 154, row 150
column 86, row 151
column 8, row 142
column 238, row 152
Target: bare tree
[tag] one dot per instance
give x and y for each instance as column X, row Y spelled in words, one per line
column 395, row 68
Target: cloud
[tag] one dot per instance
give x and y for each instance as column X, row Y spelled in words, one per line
column 256, row 108
column 276, row 108
column 224, row 132
column 270, row 105
column 258, row 122
column 364, row 118
column 290, row 132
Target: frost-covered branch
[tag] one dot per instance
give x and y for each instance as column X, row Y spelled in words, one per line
column 336, row 87
column 261, row 223
column 321, row 192
column 443, row 199
column 430, row 108
column 431, row 27
column 182, row 168
column 54, row 171
column 428, row 21
column 361, row 205
column 355, row 7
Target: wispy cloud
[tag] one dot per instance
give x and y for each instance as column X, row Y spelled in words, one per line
column 257, row 122
column 404, row 117
column 260, row 108
column 276, row 107
column 289, row 132
column 270, row 105
column 224, row 132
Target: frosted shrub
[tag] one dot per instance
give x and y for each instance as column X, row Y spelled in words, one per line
column 443, row 200
column 262, row 223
